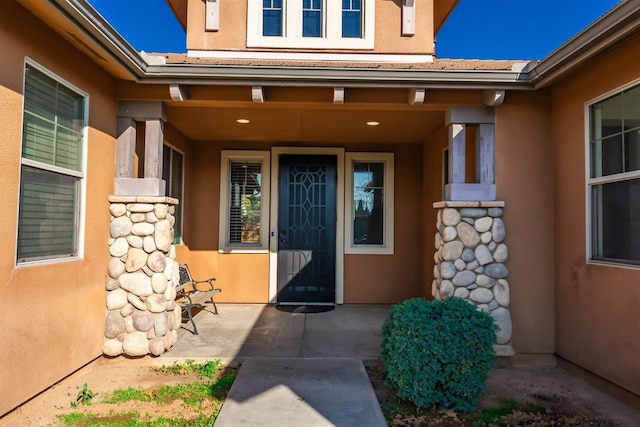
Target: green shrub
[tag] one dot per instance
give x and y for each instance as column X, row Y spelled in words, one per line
column 438, row 353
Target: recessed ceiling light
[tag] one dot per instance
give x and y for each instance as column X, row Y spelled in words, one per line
column 373, row 123
column 243, row 121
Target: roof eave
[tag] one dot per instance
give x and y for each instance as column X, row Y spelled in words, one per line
column 100, row 34
column 345, row 77
column 611, row 28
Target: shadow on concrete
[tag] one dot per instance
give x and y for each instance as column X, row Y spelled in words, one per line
column 299, row 368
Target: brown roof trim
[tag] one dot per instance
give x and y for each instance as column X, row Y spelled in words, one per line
column 611, row 28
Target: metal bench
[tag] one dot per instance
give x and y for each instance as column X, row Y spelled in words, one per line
column 192, row 294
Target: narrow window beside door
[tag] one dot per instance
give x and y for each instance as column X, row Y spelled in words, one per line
column 244, row 193
column 369, row 204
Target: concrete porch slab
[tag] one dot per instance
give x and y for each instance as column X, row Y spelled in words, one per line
column 241, row 331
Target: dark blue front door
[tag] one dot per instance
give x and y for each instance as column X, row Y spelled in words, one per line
column 307, row 229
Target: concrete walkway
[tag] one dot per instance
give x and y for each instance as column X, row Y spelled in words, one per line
column 298, row 369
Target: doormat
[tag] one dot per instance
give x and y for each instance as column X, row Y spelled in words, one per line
column 306, row 309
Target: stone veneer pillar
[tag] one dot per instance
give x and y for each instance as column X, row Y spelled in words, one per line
column 142, row 316
column 470, row 261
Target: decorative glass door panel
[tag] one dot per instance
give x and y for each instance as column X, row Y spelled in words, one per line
column 307, row 229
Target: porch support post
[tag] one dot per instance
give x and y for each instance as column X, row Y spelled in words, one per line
column 471, row 261
column 125, row 147
column 142, row 315
column 457, row 145
column 485, row 154
column 483, row 189
column 153, row 139
column 154, row 115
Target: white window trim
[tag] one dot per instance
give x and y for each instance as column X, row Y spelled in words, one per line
column 263, row 245
column 81, row 175
column 592, row 182
column 292, row 31
column 387, row 248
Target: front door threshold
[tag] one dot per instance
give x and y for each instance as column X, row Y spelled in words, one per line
column 304, row 303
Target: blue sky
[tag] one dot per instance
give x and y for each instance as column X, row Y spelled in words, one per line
column 477, row 29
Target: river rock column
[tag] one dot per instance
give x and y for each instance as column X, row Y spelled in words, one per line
column 470, row 261
column 142, row 316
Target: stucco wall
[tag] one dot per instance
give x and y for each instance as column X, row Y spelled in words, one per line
column 524, row 181
column 245, row 277
column 52, row 314
column 393, row 278
column 232, row 34
column 432, row 182
column 596, row 305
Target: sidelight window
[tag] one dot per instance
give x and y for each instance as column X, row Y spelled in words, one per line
column 369, row 203
column 244, row 191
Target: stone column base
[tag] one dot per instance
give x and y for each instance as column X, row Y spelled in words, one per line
column 142, row 317
column 470, row 261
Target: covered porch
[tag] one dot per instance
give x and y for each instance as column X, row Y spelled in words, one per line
column 436, row 147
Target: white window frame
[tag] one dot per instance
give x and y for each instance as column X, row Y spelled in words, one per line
column 387, row 248
column 81, row 175
column 263, row 245
column 592, row 182
column 292, row 31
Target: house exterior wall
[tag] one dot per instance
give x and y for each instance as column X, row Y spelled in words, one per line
column 50, row 311
column 524, row 182
column 245, row 277
column 596, row 305
column 232, row 34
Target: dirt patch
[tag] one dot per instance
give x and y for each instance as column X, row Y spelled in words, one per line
column 566, row 399
column 544, row 396
column 102, row 377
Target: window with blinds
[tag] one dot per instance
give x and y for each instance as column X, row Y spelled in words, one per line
column 245, row 196
column 244, row 201
column 172, row 172
column 52, row 168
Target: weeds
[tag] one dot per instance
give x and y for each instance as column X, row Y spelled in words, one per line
column 202, row 370
column 133, row 419
column 83, row 397
column 204, row 395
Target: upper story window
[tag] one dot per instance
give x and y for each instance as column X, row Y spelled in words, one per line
column 272, row 18
column 312, row 18
column 352, row 18
column 614, row 177
column 311, row 24
column 52, row 168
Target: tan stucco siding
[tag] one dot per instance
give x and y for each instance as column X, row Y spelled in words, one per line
column 433, row 186
column 524, row 181
column 232, row 34
column 393, row 278
column 52, row 314
column 242, row 277
column 596, row 305
column 245, row 277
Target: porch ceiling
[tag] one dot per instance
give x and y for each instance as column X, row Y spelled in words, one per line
column 296, row 114
column 340, row 124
